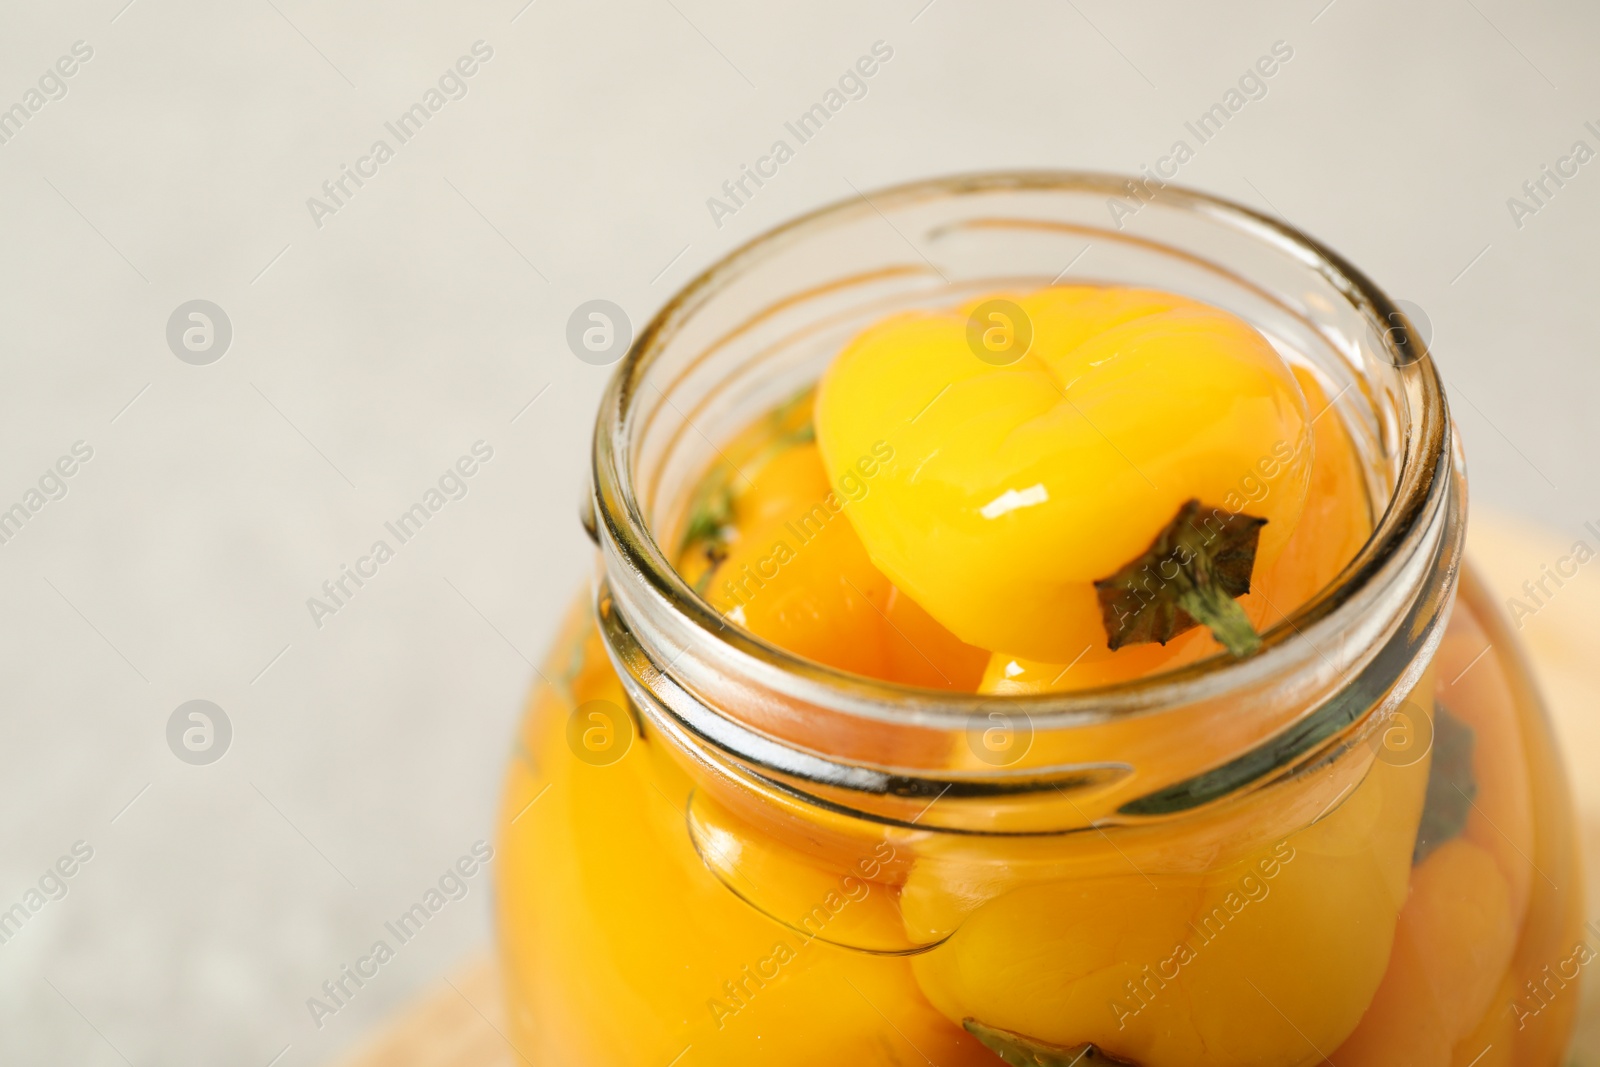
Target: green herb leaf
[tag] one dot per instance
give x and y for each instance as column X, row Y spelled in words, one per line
column 1019, row 1051
column 1189, row 576
column 1452, row 787
column 791, row 420
column 711, row 514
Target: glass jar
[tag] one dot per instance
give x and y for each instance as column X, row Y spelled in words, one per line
column 1355, row 845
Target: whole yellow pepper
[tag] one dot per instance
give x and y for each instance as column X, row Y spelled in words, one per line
column 1270, row 960
column 1016, row 486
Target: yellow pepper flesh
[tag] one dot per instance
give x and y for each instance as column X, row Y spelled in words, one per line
column 1012, row 489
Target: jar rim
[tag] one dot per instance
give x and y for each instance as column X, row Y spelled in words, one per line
column 1422, row 479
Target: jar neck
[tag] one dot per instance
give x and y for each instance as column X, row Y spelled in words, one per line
column 749, row 717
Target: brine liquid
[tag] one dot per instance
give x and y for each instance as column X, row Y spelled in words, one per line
column 620, row 947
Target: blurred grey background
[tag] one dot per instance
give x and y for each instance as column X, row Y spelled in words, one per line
column 373, row 344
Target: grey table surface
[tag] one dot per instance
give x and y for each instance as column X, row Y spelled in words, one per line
column 375, row 340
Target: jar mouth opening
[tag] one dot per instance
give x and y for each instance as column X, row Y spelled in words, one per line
column 1421, row 482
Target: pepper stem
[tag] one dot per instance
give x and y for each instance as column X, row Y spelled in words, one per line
column 1222, row 615
column 1017, row 1050
column 1189, row 576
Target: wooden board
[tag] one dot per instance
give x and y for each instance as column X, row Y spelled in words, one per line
column 461, row 1023
column 458, row 1024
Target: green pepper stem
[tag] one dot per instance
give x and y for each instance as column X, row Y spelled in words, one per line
column 1189, row 576
column 1222, row 615
column 1019, row 1051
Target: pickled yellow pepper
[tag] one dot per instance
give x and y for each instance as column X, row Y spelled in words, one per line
column 1016, row 485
